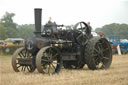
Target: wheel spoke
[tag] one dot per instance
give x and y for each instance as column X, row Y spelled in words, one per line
column 44, row 60
column 96, row 60
column 99, row 65
column 28, row 68
column 95, row 54
column 52, row 70
column 20, row 55
column 31, row 68
column 100, row 43
column 55, row 55
column 25, row 53
column 24, row 68
column 50, row 51
column 99, row 48
column 19, row 66
column 102, row 64
column 49, row 69
column 45, row 55
column 81, row 26
column 106, row 49
column 106, row 58
column 53, row 66
column 97, row 51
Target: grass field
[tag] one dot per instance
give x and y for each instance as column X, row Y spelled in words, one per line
column 117, row 74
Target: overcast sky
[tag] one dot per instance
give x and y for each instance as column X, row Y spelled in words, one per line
column 98, row 12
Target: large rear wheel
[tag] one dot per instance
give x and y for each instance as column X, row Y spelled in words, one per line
column 98, row 53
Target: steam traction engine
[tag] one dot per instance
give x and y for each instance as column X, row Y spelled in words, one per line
column 53, row 48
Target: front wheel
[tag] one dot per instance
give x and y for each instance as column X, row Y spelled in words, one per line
column 48, row 60
column 23, row 61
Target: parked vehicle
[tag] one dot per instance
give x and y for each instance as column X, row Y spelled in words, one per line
column 14, row 41
column 115, row 40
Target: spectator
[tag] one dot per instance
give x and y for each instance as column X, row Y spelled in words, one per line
column 89, row 26
column 90, row 29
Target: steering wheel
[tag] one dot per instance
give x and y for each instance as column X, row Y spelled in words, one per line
column 82, row 33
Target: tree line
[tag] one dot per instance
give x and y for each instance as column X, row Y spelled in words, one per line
column 10, row 29
column 114, row 29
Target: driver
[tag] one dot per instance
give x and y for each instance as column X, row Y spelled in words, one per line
column 50, row 20
column 50, row 28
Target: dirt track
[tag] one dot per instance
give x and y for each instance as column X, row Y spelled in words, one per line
column 117, row 74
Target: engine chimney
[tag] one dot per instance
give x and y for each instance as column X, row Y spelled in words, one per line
column 38, row 13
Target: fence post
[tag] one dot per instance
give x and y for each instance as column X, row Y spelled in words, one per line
column 118, row 49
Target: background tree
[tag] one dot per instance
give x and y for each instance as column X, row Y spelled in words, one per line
column 7, row 20
column 9, row 29
column 115, row 29
column 25, row 31
column 3, row 32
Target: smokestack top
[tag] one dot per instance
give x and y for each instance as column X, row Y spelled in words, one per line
column 37, row 8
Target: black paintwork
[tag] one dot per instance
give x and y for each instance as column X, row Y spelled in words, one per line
column 68, row 41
